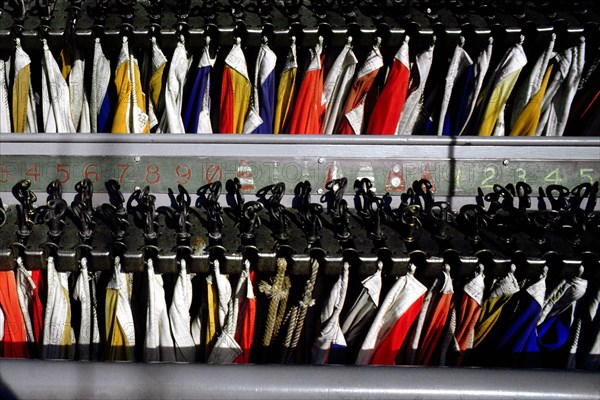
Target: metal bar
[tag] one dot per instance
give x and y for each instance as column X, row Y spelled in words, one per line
column 299, row 139
column 333, row 147
column 59, row 380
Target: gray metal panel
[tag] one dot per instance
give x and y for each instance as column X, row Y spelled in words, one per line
column 62, row 380
column 459, row 165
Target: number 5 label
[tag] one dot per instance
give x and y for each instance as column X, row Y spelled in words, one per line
column 587, row 173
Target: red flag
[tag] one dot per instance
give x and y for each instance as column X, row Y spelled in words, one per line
column 386, row 114
column 385, row 354
column 15, row 336
column 246, row 325
column 352, row 120
column 308, row 111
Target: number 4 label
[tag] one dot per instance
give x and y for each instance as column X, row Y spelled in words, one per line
column 553, row 177
column 32, row 172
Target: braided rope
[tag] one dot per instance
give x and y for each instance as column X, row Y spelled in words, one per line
column 275, row 292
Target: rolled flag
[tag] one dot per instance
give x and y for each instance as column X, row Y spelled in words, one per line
column 337, row 85
column 223, row 293
column 363, row 311
column 512, row 346
column 100, row 102
column 2, row 328
column 212, row 316
column 171, row 121
column 218, row 292
column 307, row 116
column 480, row 69
column 532, row 91
column 554, row 327
column 500, row 293
column 5, row 125
column 158, row 342
column 88, row 341
column 155, row 65
column 59, row 337
column 353, row 114
column 239, row 324
column 286, row 91
column 262, row 104
column 73, row 70
column 391, row 326
column 584, row 117
column 197, row 113
column 37, row 309
column 435, row 321
column 246, row 312
column 119, row 326
column 465, row 314
column 561, row 91
column 25, row 291
column 24, row 115
column 14, row 337
column 225, row 348
column 235, row 91
column 56, row 107
column 386, row 115
column 414, row 100
column 129, row 115
column 329, row 346
column 179, row 316
column 584, row 347
column 499, row 88
column 459, row 78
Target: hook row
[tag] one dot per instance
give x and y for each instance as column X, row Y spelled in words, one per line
column 498, row 231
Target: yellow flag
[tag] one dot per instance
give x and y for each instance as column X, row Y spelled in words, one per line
column 528, row 121
column 211, row 321
column 490, row 313
column 286, row 92
column 129, row 115
column 117, row 347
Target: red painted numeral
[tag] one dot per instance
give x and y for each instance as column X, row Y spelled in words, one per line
column 184, row 172
column 152, row 175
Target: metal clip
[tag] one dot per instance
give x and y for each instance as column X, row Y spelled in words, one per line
column 2, row 213
column 279, row 220
column 235, row 198
column 440, row 216
column 26, row 211
column 55, row 211
column 213, row 209
column 85, row 191
column 83, row 209
column 250, row 219
column 410, row 222
column 423, row 194
column 339, row 207
column 523, row 190
column 183, row 205
column 471, row 218
column 558, row 197
column 148, row 208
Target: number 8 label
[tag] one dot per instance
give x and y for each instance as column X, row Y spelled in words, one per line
column 152, row 175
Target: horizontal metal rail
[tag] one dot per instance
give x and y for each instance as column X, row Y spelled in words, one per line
column 59, row 380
